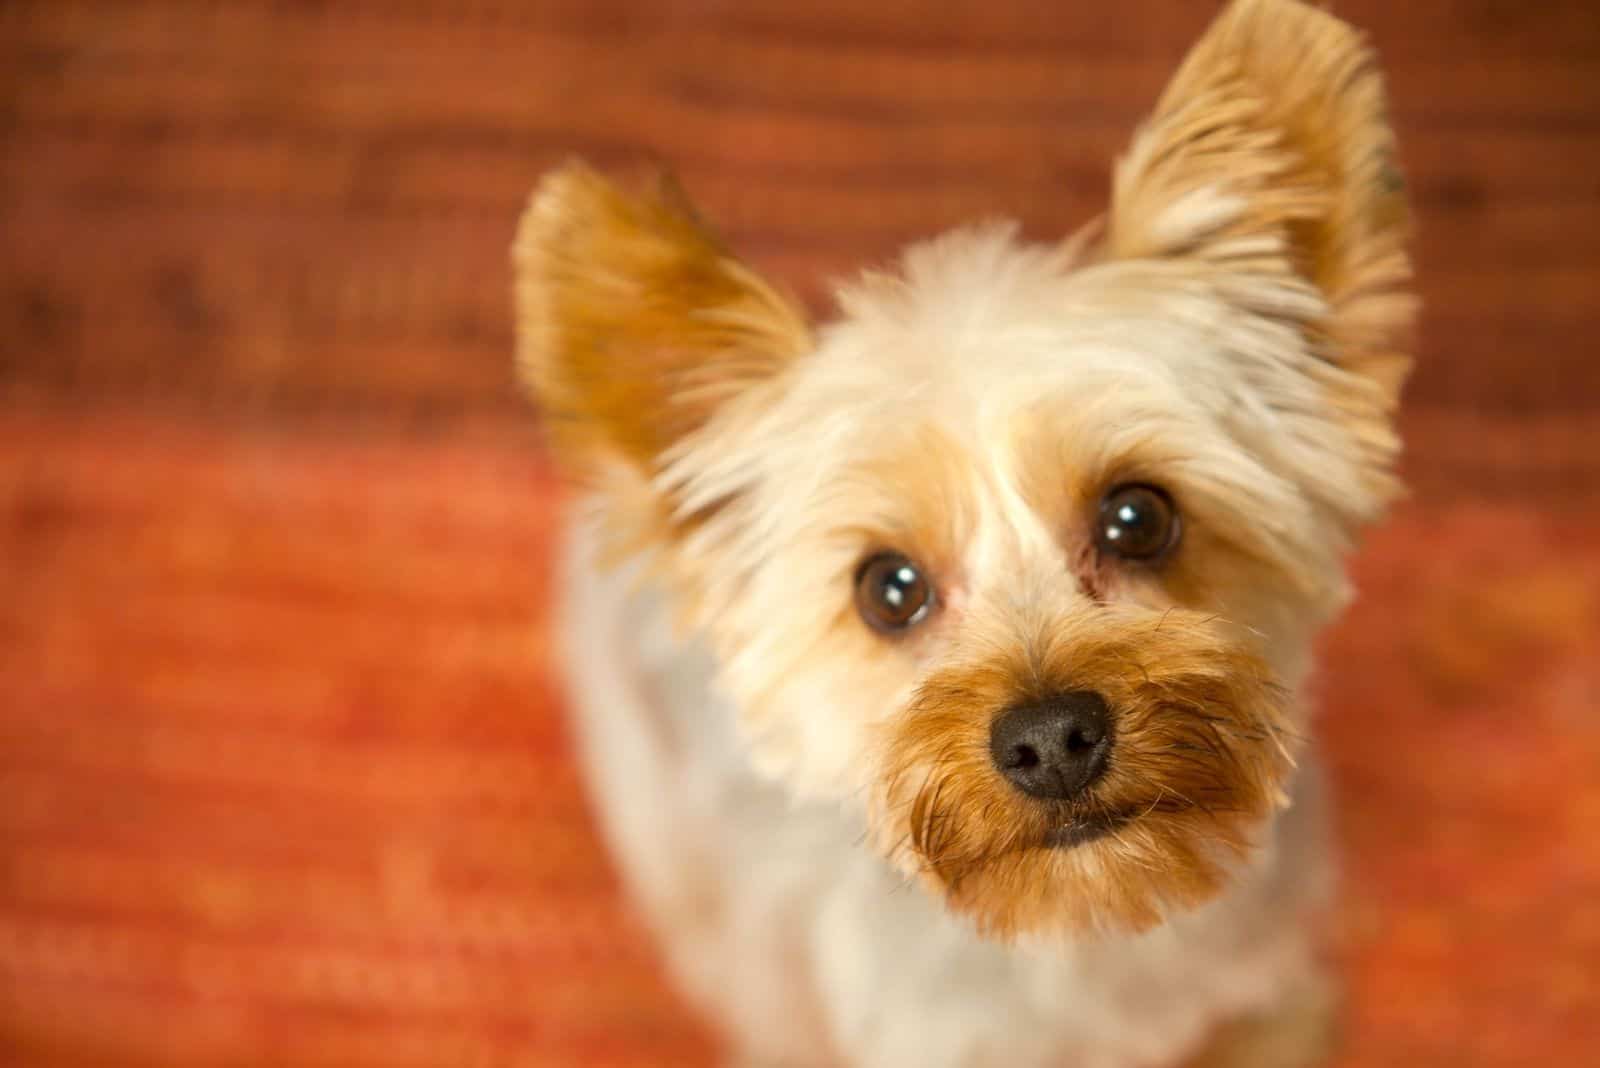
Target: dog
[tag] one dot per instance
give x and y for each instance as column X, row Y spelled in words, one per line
column 938, row 668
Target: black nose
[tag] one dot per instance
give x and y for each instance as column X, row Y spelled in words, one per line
column 1054, row 748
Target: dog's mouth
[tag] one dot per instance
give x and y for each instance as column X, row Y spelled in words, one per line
column 1083, row 831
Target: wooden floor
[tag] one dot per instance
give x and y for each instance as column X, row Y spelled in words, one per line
column 283, row 779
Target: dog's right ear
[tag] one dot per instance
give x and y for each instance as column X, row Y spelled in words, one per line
column 1269, row 166
column 634, row 323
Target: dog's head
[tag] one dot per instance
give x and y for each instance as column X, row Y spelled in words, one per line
column 1026, row 547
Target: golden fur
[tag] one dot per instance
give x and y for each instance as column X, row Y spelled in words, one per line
column 1202, row 750
column 605, row 280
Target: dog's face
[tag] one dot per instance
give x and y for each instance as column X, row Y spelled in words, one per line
column 1026, row 548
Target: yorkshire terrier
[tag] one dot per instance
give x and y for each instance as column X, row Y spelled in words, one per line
column 938, row 669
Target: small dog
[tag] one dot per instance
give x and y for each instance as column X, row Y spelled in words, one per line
column 938, row 669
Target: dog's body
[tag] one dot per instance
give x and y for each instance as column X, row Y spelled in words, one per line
column 939, row 673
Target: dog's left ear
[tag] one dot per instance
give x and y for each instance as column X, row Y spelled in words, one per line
column 635, row 324
column 1270, row 159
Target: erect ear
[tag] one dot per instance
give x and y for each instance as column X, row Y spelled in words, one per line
column 1270, row 156
column 634, row 322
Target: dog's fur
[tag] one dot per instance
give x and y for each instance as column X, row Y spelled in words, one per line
column 806, row 808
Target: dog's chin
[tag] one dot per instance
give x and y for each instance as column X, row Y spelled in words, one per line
column 1111, row 874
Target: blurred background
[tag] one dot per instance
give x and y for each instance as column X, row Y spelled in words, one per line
column 283, row 778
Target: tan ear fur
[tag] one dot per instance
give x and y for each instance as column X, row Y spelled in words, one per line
column 634, row 322
column 1270, row 152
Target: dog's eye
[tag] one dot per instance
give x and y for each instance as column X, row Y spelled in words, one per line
column 892, row 593
column 1137, row 522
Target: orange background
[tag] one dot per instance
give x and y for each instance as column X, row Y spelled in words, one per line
column 283, row 779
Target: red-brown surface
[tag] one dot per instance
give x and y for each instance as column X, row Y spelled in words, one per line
column 283, row 780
